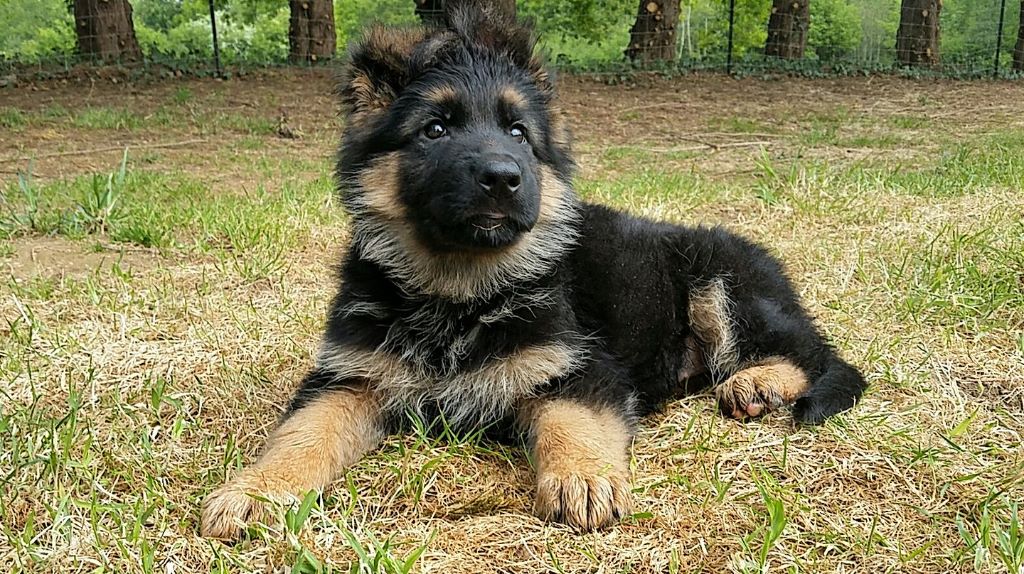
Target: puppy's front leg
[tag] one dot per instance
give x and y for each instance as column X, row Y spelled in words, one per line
column 582, row 458
column 310, row 447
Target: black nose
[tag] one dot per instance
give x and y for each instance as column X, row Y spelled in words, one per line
column 500, row 176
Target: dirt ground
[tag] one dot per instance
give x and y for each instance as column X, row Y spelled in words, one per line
column 679, row 114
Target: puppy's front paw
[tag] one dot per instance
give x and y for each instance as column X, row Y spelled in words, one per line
column 229, row 509
column 586, row 501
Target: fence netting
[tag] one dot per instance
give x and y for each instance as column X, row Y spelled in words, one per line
column 953, row 37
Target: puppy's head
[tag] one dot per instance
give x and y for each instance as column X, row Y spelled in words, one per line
column 452, row 139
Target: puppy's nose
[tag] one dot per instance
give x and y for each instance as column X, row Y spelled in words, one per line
column 500, row 176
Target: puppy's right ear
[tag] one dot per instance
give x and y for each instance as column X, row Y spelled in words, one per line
column 379, row 67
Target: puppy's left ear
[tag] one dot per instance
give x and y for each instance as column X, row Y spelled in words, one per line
column 378, row 68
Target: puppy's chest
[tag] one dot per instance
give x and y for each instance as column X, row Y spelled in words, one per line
column 445, row 339
column 471, row 364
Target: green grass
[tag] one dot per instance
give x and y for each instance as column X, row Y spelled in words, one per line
column 159, row 311
column 248, row 234
column 122, row 119
column 960, row 278
column 182, row 96
column 107, row 119
column 11, row 118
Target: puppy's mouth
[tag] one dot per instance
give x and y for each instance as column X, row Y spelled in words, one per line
column 489, row 221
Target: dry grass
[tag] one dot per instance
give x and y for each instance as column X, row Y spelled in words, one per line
column 140, row 364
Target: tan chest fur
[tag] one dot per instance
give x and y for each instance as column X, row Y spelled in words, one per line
column 472, row 397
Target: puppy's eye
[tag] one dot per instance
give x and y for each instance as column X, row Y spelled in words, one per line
column 518, row 132
column 435, row 129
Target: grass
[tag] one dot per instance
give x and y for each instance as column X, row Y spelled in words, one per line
column 11, row 118
column 159, row 308
column 131, row 120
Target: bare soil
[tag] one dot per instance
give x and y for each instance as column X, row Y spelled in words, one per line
column 689, row 113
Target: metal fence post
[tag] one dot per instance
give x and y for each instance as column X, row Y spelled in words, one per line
column 732, row 20
column 999, row 39
column 216, row 45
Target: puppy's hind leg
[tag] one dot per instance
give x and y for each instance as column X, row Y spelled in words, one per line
column 834, row 391
column 761, row 387
column 311, row 446
column 757, row 337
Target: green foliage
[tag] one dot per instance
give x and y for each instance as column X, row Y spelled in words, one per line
column 35, row 30
column 879, row 20
column 845, row 35
column 750, row 28
column 835, row 29
column 249, row 31
column 351, row 15
column 590, row 20
column 584, row 33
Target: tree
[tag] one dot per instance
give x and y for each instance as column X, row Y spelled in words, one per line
column 105, row 30
column 653, row 35
column 1018, row 52
column 917, row 39
column 787, row 28
column 311, row 31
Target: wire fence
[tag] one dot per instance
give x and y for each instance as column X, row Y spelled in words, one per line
column 964, row 38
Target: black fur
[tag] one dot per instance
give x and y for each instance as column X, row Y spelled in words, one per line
column 614, row 289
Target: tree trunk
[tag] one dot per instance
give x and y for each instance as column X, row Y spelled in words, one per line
column 787, row 29
column 917, row 39
column 105, row 31
column 311, row 31
column 1018, row 52
column 653, row 35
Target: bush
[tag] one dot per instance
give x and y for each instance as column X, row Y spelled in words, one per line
column 190, row 40
column 33, row 31
column 835, row 29
column 351, row 15
column 265, row 40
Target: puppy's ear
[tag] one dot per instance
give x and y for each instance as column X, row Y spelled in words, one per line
column 379, row 66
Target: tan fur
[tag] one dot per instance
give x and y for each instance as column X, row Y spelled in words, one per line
column 477, row 396
column 711, row 320
column 540, row 75
column 393, row 245
column 762, row 387
column 368, row 96
column 582, row 458
column 390, row 47
column 513, row 98
column 441, row 95
column 304, row 453
column 559, row 128
column 553, row 194
column 378, row 188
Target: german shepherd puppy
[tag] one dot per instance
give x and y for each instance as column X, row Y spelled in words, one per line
column 479, row 288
